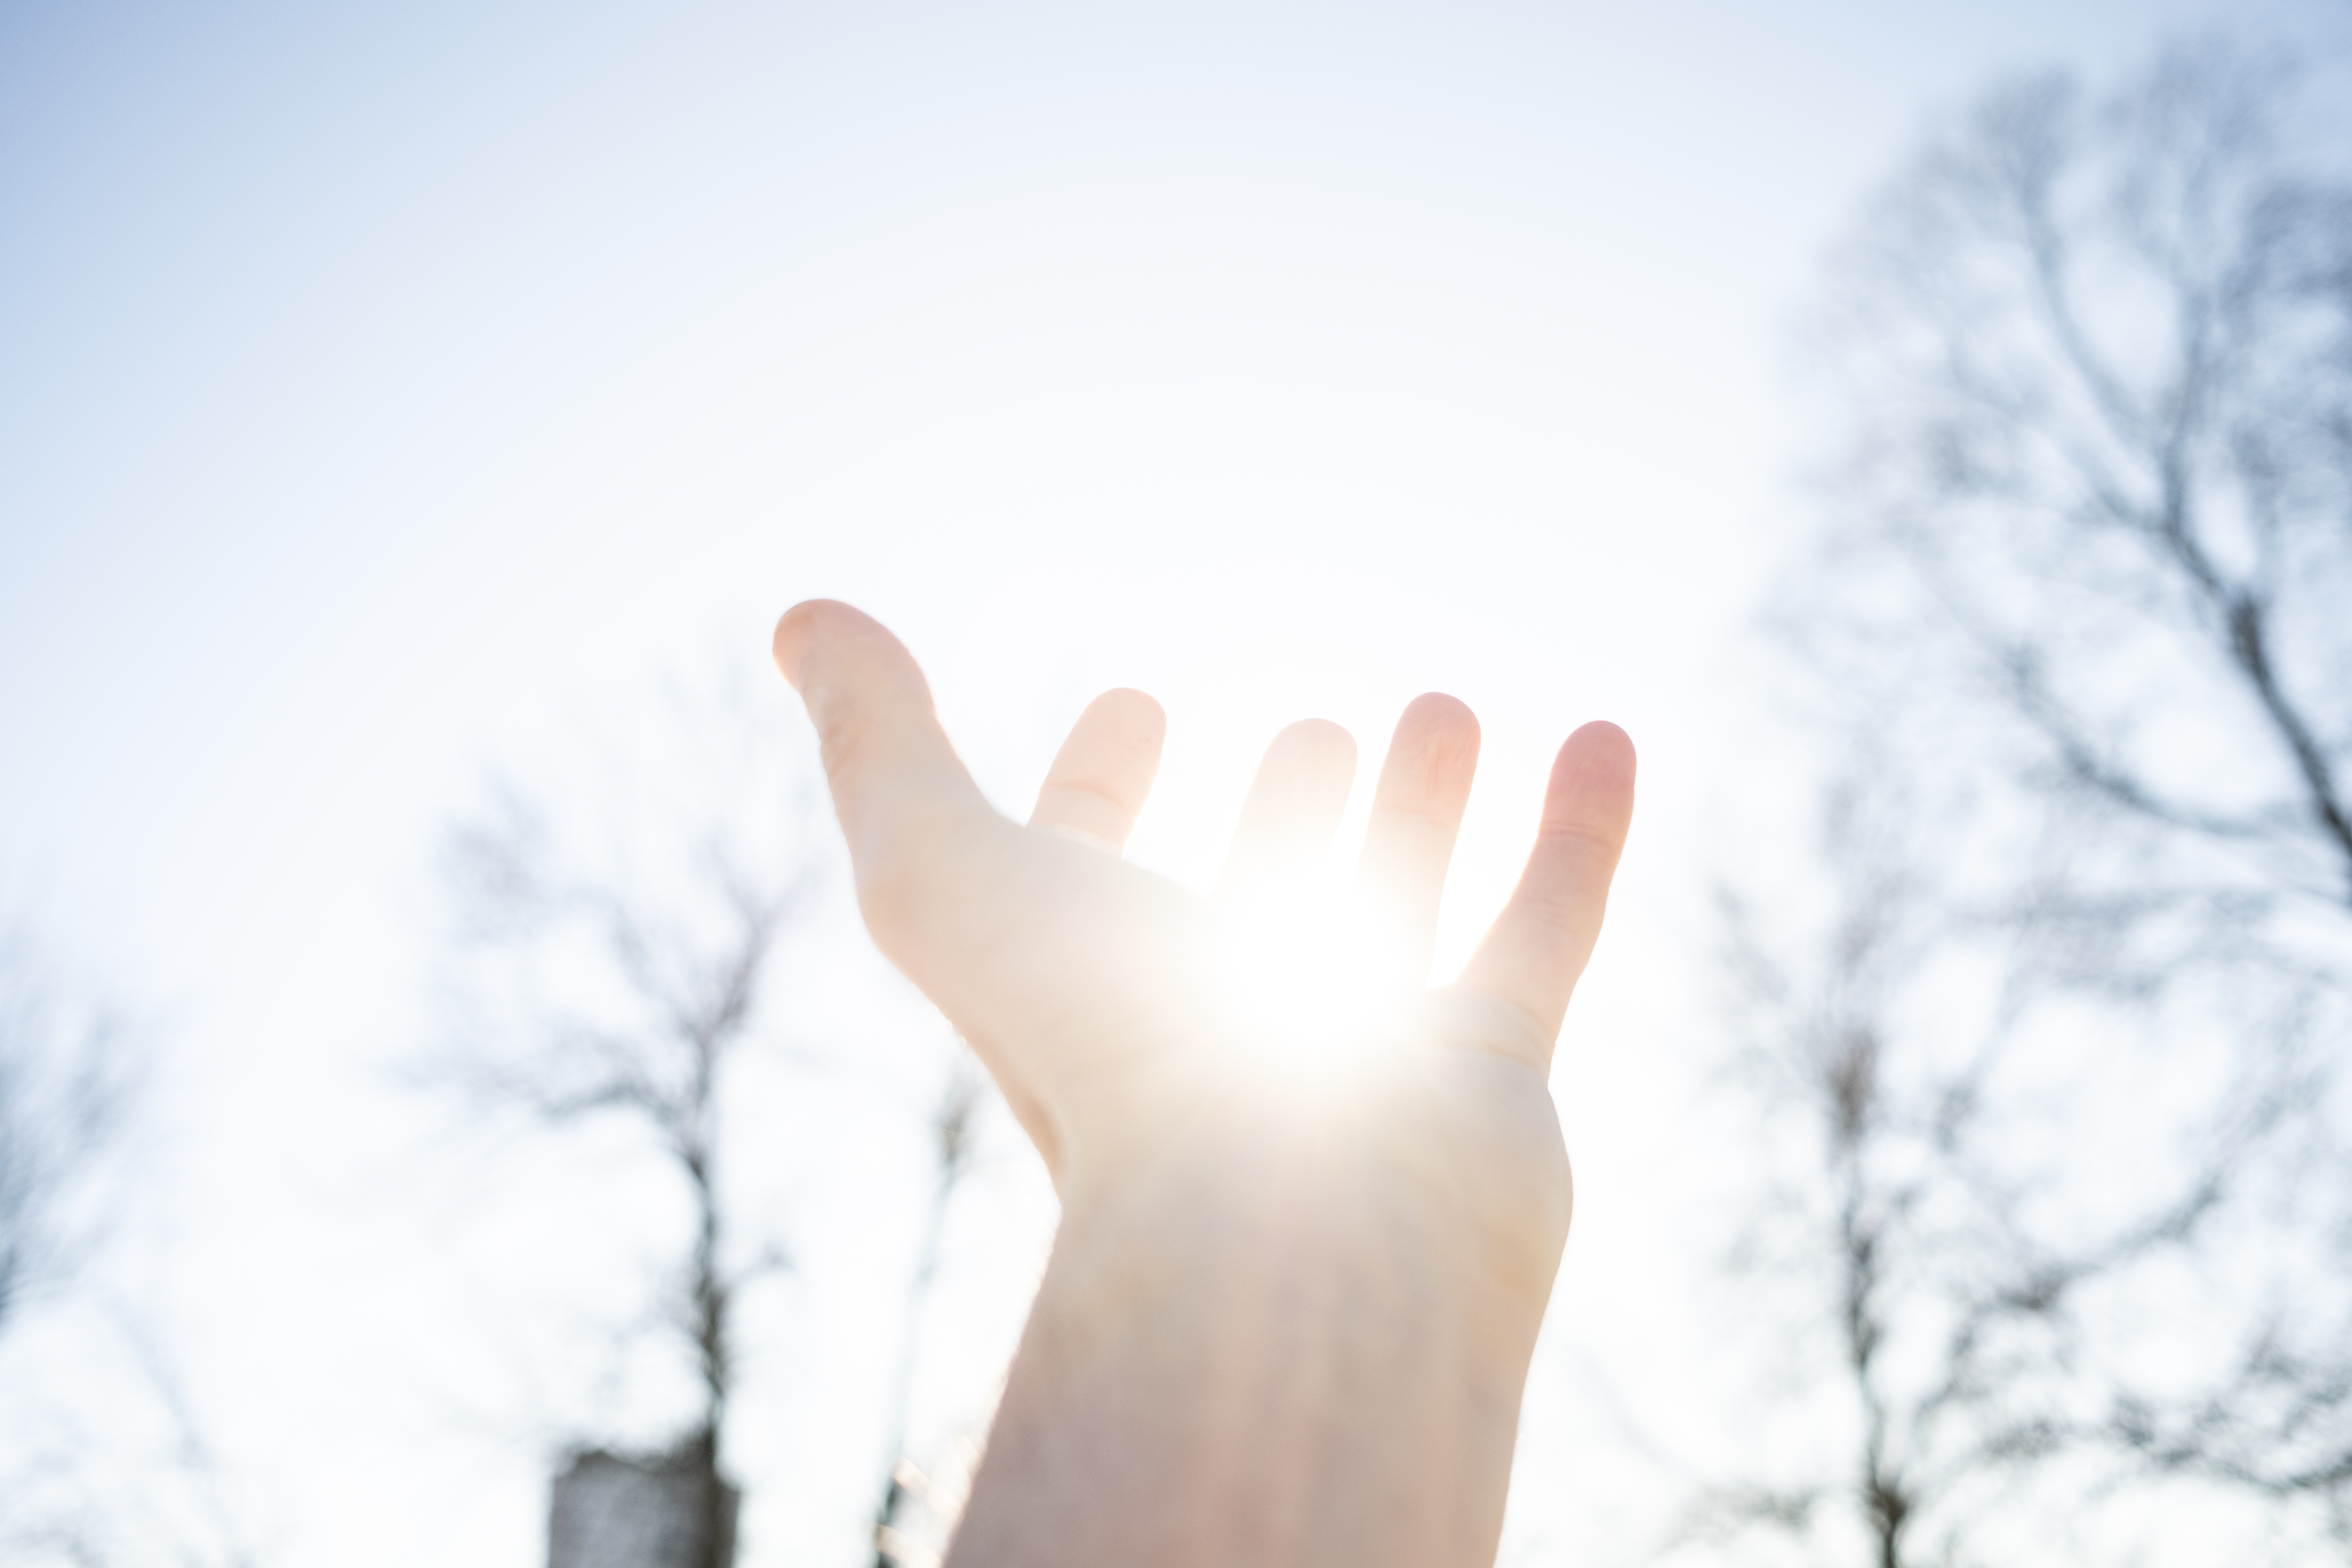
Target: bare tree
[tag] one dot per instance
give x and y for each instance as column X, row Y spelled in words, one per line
column 2083, row 610
column 110, row 1464
column 631, row 958
column 954, row 1135
column 1947, row 1315
column 2103, row 358
column 62, row 1094
column 120, row 1471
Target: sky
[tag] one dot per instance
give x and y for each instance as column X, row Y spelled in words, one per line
column 392, row 396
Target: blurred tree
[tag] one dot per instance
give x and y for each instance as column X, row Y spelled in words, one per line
column 1910, row 1194
column 62, row 1092
column 954, row 1145
column 2101, row 360
column 2071, row 1043
column 613, row 973
column 103, row 1459
column 61, row 1101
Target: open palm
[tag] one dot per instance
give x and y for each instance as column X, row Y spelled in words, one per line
column 1091, row 988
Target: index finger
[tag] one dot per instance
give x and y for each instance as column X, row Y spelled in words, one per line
column 1102, row 774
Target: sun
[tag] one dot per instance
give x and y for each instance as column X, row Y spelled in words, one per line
column 1310, row 974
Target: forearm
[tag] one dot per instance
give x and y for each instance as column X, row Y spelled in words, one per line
column 1255, row 1353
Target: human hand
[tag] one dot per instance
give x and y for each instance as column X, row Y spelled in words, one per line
column 1096, row 992
column 1290, row 1314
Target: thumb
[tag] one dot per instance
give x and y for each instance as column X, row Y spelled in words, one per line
column 905, row 801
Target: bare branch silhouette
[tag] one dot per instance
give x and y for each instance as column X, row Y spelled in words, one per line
column 631, row 981
column 62, row 1094
column 2081, row 627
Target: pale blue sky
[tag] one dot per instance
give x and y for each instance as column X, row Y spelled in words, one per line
column 382, row 388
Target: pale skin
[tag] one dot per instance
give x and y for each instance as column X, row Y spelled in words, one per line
column 1284, row 1322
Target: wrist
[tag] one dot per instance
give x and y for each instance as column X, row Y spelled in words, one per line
column 1258, row 1344
column 1440, row 1188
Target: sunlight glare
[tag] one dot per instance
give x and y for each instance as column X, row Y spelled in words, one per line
column 1312, row 972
